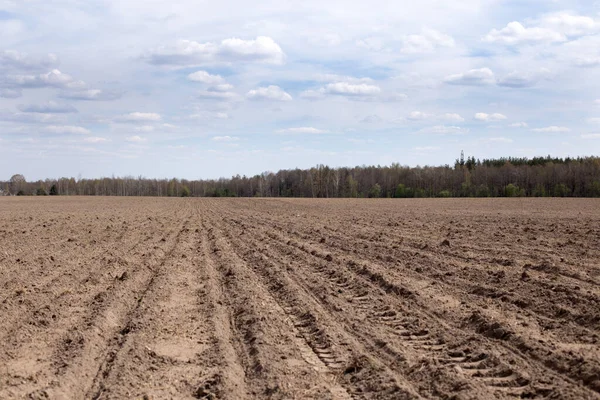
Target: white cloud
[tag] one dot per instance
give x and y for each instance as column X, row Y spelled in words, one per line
column 445, row 130
column 205, row 77
column 31, row 118
column 90, row 95
column 591, row 136
column 517, row 80
column 597, row 102
column 452, row 117
column 135, row 139
column 474, row 77
column 304, row 129
column 552, row 129
column 67, row 129
column 54, row 78
column 587, row 62
column 349, row 89
column 95, row 139
column 139, row 117
column 189, row 53
column 270, row 92
column 489, row 117
column 372, row 119
column 426, row 148
column 428, row 41
column 11, row 93
column 569, row 24
column 593, row 120
column 224, row 87
column 515, row 33
column 217, row 95
column 48, row 107
column 22, row 61
column 418, row 116
column 225, row 138
column 519, row 125
column 145, row 128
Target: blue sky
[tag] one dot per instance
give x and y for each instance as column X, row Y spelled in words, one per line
column 198, row 89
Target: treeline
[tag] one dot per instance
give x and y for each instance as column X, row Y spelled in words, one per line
column 504, row 177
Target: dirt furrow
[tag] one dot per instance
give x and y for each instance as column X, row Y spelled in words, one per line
column 272, row 367
column 479, row 320
column 497, row 376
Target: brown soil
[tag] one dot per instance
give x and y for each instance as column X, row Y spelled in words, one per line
column 111, row 298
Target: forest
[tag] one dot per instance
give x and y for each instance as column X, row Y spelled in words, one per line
column 470, row 177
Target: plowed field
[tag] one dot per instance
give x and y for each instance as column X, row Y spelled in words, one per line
column 112, row 298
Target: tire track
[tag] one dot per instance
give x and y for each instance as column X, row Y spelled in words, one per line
column 479, row 325
column 492, row 372
column 260, row 345
column 358, row 368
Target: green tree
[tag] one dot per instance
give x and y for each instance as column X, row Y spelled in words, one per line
column 561, row 190
column 400, row 191
column 539, row 191
column 483, row 191
column 445, row 193
column 375, row 191
column 511, row 190
column 54, row 190
column 185, row 191
column 41, row 192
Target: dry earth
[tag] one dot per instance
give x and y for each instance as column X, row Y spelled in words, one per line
column 112, row 298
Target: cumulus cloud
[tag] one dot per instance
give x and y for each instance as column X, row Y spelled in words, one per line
column 145, row 128
column 552, row 129
column 21, row 61
column 445, row 130
column 135, row 139
column 452, row 117
column 270, row 92
column 48, row 107
column 212, row 94
column 54, row 78
column 489, row 117
column 11, row 93
column 418, row 116
column 189, row 53
column 67, row 129
column 517, row 80
column 139, row 117
column 515, row 33
column 587, row 62
column 519, row 125
column 428, row 41
column 205, row 77
column 224, row 87
column 225, row 138
column 350, row 89
column 372, row 119
column 95, row 139
column 569, row 24
column 474, row 77
column 31, row 118
column 90, row 95
column 304, row 129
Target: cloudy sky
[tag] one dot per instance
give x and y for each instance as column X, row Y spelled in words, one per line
column 203, row 89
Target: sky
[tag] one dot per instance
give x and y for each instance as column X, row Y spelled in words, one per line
column 207, row 89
